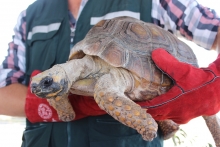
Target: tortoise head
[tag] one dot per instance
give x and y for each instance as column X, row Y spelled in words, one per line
column 50, row 83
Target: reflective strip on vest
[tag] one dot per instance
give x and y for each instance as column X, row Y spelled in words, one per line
column 44, row 29
column 95, row 20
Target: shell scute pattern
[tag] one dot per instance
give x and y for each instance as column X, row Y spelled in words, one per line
column 125, row 42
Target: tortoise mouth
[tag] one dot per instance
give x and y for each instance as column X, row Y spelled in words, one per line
column 47, row 88
column 48, row 93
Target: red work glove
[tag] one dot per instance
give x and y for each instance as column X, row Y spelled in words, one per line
column 196, row 91
column 39, row 110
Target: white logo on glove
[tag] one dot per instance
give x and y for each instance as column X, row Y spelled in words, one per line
column 44, row 111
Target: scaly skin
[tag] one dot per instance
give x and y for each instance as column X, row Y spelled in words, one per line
column 169, row 128
column 62, row 104
column 213, row 123
column 109, row 94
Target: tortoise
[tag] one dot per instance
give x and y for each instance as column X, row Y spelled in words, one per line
column 113, row 63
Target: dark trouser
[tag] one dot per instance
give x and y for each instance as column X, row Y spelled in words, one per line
column 98, row 131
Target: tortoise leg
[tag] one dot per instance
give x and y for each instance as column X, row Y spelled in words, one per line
column 63, row 107
column 168, row 127
column 109, row 94
column 213, row 123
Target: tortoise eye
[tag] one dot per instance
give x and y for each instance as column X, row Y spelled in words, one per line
column 47, row 82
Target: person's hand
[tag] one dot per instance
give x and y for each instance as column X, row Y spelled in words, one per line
column 196, row 91
column 39, row 110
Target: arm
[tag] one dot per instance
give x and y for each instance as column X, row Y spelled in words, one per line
column 17, row 100
column 195, row 93
column 187, row 19
column 12, row 99
column 12, row 92
column 216, row 44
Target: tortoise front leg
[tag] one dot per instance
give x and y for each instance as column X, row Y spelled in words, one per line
column 213, row 123
column 63, row 107
column 109, row 94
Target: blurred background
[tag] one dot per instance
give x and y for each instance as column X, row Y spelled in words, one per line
column 193, row 134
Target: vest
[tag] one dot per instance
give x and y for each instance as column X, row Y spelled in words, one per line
column 48, row 43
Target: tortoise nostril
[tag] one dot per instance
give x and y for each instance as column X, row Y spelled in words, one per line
column 47, row 82
column 33, row 87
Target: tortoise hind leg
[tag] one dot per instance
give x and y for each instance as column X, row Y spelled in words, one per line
column 168, row 128
column 213, row 124
column 109, row 94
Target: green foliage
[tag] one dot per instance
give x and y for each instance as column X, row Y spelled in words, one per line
column 177, row 139
column 209, row 145
column 181, row 138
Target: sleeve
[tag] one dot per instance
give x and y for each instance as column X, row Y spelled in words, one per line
column 188, row 19
column 12, row 68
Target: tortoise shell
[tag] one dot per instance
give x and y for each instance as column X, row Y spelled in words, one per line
column 127, row 42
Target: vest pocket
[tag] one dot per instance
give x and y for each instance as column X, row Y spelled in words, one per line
column 36, row 136
column 43, row 32
column 42, row 55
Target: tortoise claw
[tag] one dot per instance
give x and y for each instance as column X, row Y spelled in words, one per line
column 169, row 128
column 66, row 117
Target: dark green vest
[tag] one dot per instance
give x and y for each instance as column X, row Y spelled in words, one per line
column 48, row 43
column 43, row 50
